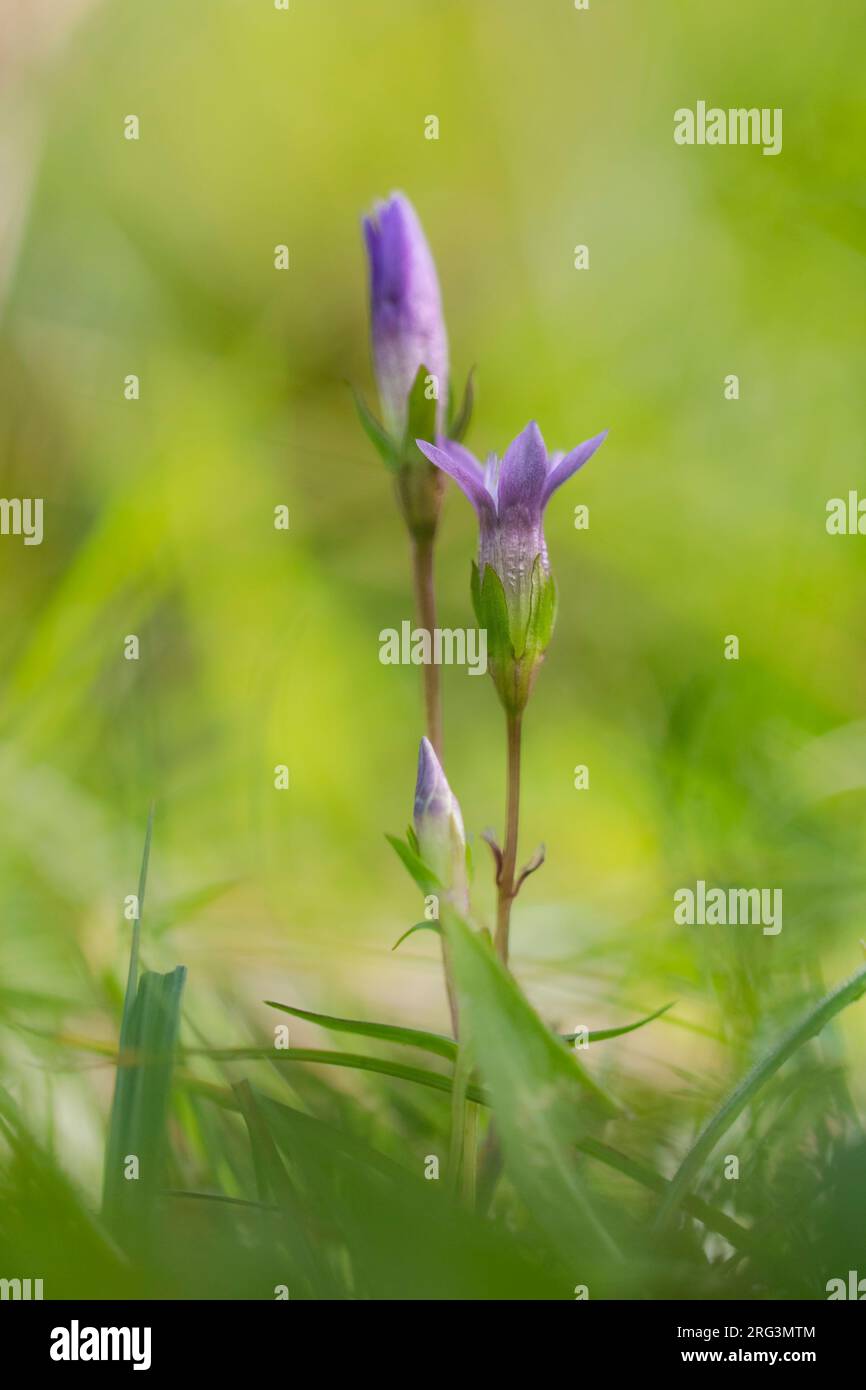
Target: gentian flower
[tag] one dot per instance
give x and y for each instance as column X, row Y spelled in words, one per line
column 408, row 328
column 439, row 826
column 513, row 588
column 410, row 357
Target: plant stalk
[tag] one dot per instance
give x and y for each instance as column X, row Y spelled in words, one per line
column 509, row 853
column 425, row 604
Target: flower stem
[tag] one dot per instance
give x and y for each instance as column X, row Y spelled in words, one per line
column 509, row 853
column 425, row 602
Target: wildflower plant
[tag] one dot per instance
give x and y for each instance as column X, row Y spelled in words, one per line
column 546, row 1104
column 514, row 594
column 411, row 364
column 255, row 1167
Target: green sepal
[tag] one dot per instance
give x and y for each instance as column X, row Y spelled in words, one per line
column 420, row 418
column 377, row 434
column 459, row 421
column 542, row 611
column 491, row 610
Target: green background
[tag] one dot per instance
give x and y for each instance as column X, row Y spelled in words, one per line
column 258, row 647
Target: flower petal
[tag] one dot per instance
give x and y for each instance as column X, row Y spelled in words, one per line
column 565, row 466
column 432, row 793
column 464, row 468
column 407, row 323
column 523, row 473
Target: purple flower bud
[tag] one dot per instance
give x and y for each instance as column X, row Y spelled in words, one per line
column 509, row 496
column 408, row 327
column 439, row 825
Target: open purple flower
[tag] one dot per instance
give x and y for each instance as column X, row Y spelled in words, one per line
column 408, row 327
column 509, row 496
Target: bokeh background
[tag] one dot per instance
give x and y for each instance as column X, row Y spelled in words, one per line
column 258, row 647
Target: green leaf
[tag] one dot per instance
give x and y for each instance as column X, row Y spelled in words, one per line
column 419, row 926
column 460, row 422
column 418, row 870
column 712, row 1218
column 132, row 973
column 386, row 1032
column 139, row 1111
column 354, row 1061
column 376, row 433
column 272, row 1178
column 395, row 1231
column 601, row 1034
column 543, row 1100
column 639, row 1172
column 751, row 1084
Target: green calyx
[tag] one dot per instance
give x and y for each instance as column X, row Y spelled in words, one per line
column 518, row 633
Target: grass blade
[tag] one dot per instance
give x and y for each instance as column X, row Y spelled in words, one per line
column 601, row 1034
column 355, row 1061
column 751, row 1084
column 543, row 1100
column 386, row 1032
column 141, row 1094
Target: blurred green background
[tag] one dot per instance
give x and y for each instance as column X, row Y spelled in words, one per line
column 259, row 647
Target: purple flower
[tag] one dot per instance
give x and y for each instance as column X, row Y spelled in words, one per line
column 408, row 327
column 509, row 496
column 439, row 825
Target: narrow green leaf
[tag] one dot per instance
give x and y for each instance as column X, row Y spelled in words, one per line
column 132, row 974
column 354, row 1061
column 400, row 1232
column 461, row 420
column 419, row 926
column 273, row 1179
column 141, row 1093
column 414, row 864
column 711, row 1217
column 600, row 1034
column 376, row 433
column 639, row 1172
column 543, row 1100
column 745, row 1092
column 387, row 1032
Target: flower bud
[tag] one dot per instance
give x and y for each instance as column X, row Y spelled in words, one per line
column 439, row 826
column 408, row 327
